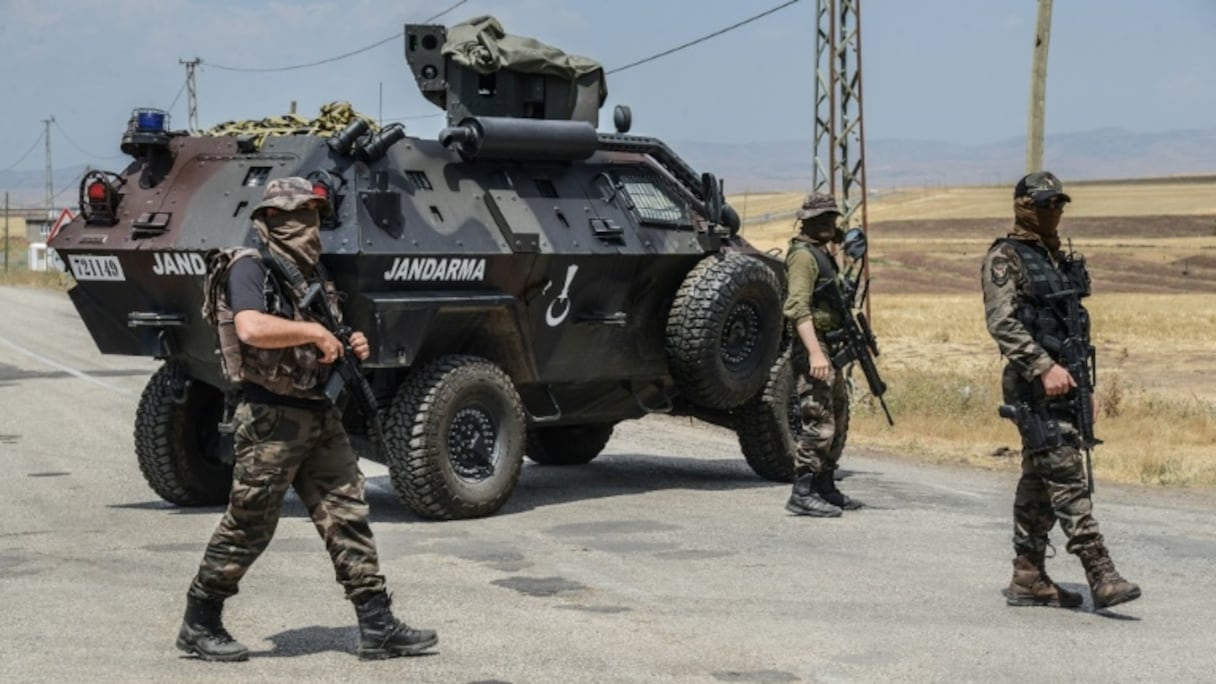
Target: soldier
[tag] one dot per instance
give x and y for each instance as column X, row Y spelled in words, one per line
column 1027, row 283
column 822, row 393
column 288, row 434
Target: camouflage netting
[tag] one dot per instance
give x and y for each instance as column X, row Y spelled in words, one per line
column 333, row 118
column 482, row 44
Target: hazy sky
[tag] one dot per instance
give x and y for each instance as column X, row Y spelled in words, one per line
column 949, row 70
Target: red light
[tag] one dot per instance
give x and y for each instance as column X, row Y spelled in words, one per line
column 98, row 191
column 320, row 190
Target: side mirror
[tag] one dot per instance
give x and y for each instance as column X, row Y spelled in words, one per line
column 855, row 244
column 712, row 194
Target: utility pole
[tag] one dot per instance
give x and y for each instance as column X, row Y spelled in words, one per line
column 6, row 232
column 50, row 178
column 1038, row 89
column 191, row 93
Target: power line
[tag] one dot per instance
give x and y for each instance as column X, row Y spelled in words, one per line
column 10, row 167
column 335, row 58
column 78, row 147
column 415, row 116
column 702, row 39
column 178, row 96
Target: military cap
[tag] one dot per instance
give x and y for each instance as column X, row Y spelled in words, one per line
column 815, row 204
column 1040, row 186
column 289, row 194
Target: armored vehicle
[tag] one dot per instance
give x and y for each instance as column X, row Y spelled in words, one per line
column 526, row 282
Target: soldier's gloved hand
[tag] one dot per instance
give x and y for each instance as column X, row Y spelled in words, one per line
column 360, row 346
column 1057, row 381
column 330, row 346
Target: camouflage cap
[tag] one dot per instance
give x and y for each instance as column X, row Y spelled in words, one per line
column 1040, row 186
column 289, row 194
column 815, row 204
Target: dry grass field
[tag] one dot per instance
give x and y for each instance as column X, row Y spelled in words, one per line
column 1151, row 247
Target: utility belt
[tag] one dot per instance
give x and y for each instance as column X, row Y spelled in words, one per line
column 254, row 393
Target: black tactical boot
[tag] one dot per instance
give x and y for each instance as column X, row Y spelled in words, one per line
column 825, row 484
column 806, row 500
column 1105, row 583
column 1031, row 586
column 383, row 636
column 203, row 633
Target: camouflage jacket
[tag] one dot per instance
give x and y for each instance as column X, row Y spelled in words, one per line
column 291, row 371
column 1006, row 288
column 804, row 272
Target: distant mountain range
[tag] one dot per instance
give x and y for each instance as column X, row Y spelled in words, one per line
column 786, row 165
column 1094, row 155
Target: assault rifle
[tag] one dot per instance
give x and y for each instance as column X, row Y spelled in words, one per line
column 1075, row 353
column 346, row 372
column 854, row 341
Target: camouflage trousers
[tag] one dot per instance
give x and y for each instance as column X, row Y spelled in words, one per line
column 1053, row 486
column 824, row 408
column 279, row 447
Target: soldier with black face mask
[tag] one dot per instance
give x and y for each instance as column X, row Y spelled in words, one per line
column 822, row 393
column 1030, row 289
column 288, row 435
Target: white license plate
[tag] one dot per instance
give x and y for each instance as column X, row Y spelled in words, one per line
column 93, row 267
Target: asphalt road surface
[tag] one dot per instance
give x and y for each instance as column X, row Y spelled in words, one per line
column 663, row 560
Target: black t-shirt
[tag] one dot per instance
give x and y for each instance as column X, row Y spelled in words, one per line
column 247, row 292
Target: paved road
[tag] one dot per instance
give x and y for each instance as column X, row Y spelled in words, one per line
column 663, row 560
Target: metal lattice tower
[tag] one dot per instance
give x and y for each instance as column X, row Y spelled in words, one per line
column 839, row 141
column 191, row 93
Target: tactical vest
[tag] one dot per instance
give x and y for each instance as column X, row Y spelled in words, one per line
column 1052, row 287
column 290, row 371
column 824, row 318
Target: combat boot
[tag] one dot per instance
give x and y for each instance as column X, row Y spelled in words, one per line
column 381, row 635
column 203, row 633
column 806, row 500
column 825, row 484
column 1105, row 583
column 1031, row 586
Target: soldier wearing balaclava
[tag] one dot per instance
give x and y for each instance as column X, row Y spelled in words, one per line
column 1032, row 303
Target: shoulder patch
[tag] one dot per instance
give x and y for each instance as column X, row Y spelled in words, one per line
column 1003, row 263
column 999, row 270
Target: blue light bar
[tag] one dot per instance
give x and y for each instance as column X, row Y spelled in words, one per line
column 150, row 120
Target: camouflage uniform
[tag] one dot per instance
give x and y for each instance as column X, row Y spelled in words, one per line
column 288, row 434
column 823, row 403
column 1053, row 485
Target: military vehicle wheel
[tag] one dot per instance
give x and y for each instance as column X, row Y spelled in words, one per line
column 769, row 423
column 722, row 331
column 567, row 444
column 178, row 443
column 455, row 436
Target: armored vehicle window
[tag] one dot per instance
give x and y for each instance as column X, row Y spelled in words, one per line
column 418, row 179
column 652, row 202
column 256, row 177
column 545, row 187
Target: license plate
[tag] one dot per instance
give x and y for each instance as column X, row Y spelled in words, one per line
column 94, row 267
